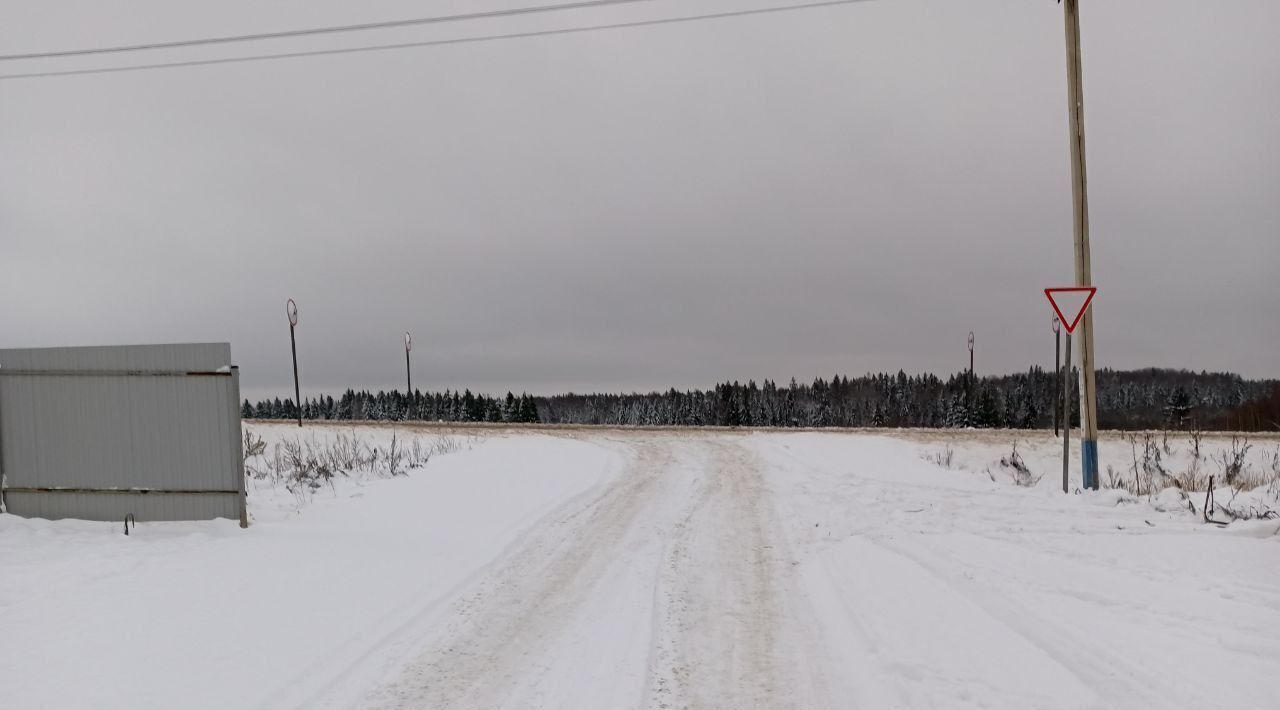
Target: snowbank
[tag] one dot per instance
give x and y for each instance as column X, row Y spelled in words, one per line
column 952, row 588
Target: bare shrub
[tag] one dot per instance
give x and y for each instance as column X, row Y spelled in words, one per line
column 943, row 458
column 254, row 445
column 1164, row 443
column 1254, row 510
column 418, row 456
column 1250, row 509
column 1115, row 479
column 1193, row 479
column 349, row 453
column 1196, row 436
column 395, row 457
column 1273, row 487
column 1151, row 459
column 1017, row 468
column 1146, row 469
column 1137, row 484
column 450, row 444
column 304, row 466
column 253, row 455
column 1148, row 472
column 1233, row 462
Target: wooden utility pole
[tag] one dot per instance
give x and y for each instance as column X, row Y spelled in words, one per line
column 1084, row 275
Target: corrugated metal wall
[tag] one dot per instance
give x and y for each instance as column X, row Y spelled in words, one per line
column 101, row 432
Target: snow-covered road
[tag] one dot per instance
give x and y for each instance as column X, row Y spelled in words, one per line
column 654, row 569
column 666, row 588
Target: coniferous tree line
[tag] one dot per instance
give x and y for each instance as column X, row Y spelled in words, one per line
column 1134, row 399
column 397, row 406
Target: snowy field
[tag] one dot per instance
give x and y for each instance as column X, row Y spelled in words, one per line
column 603, row 568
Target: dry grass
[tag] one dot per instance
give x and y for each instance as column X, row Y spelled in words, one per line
column 944, row 457
column 304, row 466
column 1150, row 471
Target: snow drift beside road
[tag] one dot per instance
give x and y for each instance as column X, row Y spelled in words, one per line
column 945, row 588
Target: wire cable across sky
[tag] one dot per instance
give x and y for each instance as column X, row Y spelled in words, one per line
column 396, row 46
column 283, row 34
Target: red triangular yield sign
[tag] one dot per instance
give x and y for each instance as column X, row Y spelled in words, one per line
column 1074, row 300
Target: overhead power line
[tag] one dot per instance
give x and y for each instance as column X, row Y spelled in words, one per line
column 433, row 43
column 283, row 34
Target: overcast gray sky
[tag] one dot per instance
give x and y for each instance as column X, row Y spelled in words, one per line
column 844, row 189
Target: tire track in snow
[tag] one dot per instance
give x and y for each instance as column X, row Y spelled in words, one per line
column 875, row 538
column 507, row 636
column 670, row 588
column 1118, row 680
column 724, row 630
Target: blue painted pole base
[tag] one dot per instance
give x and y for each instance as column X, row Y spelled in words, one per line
column 1089, row 463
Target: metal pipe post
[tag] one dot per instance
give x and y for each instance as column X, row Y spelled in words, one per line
column 1066, row 415
column 1057, row 372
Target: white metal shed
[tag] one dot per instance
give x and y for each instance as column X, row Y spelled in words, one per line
column 103, row 432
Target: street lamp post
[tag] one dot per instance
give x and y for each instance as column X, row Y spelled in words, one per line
column 291, row 309
column 408, row 372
